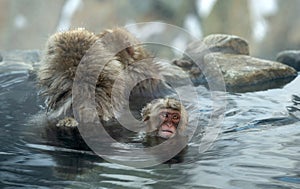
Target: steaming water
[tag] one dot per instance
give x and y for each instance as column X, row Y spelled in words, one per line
column 258, row 146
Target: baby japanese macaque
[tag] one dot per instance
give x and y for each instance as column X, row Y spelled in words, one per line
column 165, row 118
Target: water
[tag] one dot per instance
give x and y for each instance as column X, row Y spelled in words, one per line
column 258, row 146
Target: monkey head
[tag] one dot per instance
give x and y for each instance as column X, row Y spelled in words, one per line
column 165, row 118
column 129, row 48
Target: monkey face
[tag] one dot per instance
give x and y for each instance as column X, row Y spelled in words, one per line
column 165, row 118
column 168, row 122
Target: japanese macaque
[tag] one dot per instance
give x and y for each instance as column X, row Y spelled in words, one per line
column 66, row 50
column 165, row 118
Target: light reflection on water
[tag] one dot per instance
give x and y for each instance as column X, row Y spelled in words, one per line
column 257, row 148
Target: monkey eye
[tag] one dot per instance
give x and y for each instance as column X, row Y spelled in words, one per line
column 175, row 117
column 172, row 116
column 164, row 114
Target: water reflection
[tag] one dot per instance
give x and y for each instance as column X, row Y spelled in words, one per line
column 257, row 148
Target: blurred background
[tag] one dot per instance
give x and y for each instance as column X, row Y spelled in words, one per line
column 269, row 26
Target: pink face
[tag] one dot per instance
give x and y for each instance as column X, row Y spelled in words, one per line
column 169, row 120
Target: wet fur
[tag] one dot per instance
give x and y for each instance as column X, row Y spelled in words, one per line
column 65, row 50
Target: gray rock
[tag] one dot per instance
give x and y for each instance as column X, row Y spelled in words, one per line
column 217, row 43
column 227, row 55
column 227, row 44
column 1, row 58
column 212, row 43
column 243, row 73
column 291, row 58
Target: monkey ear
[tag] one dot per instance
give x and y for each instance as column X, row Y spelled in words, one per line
column 145, row 113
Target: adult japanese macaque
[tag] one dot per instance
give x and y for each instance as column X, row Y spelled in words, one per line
column 165, row 118
column 66, row 50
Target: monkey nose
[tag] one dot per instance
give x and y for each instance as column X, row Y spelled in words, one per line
column 169, row 124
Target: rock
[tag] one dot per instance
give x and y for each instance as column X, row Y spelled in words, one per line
column 227, row 44
column 213, row 43
column 224, row 60
column 1, row 58
column 244, row 73
column 291, row 58
column 218, row 43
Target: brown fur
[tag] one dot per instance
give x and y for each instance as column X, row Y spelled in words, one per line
column 65, row 50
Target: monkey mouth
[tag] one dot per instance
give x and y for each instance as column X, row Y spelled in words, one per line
column 168, row 131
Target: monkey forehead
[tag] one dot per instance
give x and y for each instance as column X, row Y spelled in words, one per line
column 152, row 109
column 168, row 103
column 168, row 110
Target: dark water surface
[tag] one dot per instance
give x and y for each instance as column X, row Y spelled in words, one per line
column 258, row 146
